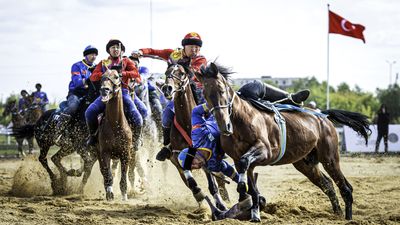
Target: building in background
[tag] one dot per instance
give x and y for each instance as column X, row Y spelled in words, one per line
column 281, row 82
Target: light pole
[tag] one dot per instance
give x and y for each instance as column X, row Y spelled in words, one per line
column 390, row 70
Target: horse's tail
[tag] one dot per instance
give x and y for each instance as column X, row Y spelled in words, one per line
column 357, row 121
column 26, row 131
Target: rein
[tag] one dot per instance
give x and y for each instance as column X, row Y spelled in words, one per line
column 230, row 101
column 183, row 83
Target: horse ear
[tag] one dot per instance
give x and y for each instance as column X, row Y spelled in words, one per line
column 213, row 69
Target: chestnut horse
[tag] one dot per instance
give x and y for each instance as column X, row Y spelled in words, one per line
column 115, row 135
column 253, row 138
column 177, row 86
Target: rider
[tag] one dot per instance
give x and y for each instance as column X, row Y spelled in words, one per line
column 78, row 87
column 206, row 149
column 257, row 90
column 128, row 71
column 23, row 101
column 189, row 57
column 41, row 97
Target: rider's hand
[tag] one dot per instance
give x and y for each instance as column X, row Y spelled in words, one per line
column 137, row 54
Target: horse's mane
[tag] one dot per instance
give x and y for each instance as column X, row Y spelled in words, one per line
column 210, row 70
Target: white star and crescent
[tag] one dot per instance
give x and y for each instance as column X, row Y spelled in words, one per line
column 343, row 24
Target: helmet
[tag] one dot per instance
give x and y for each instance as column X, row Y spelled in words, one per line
column 113, row 42
column 143, row 70
column 89, row 50
column 38, row 85
column 24, row 92
column 312, row 104
column 192, row 38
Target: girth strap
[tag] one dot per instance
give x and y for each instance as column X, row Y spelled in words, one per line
column 282, row 131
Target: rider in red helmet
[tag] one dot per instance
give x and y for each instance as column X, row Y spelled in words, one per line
column 188, row 56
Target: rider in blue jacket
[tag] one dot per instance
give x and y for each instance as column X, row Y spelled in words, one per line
column 40, row 97
column 78, row 87
column 205, row 138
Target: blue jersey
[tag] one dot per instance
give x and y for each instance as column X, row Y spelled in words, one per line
column 40, row 97
column 79, row 73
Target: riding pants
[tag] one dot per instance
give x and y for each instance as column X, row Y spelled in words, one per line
column 140, row 106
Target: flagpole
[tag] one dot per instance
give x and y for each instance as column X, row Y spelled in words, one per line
column 327, row 67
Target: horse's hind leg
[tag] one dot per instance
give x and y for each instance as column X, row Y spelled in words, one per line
column 346, row 190
column 21, row 152
column 89, row 161
column 314, row 174
column 30, row 145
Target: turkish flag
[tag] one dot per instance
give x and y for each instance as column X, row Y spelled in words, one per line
column 339, row 25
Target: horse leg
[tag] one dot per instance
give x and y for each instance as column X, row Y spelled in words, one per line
column 253, row 191
column 131, row 171
column 30, row 145
column 212, row 187
column 114, row 167
column 314, row 174
column 89, row 161
column 242, row 166
column 105, row 161
column 56, row 158
column 21, row 152
column 123, row 182
column 43, row 160
column 222, row 188
column 346, row 190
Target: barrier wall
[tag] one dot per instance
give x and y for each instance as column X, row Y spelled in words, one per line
column 355, row 143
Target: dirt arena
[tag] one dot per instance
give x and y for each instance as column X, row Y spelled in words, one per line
column 25, row 196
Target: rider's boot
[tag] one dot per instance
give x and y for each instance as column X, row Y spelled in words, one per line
column 165, row 151
column 136, row 137
column 277, row 95
column 92, row 139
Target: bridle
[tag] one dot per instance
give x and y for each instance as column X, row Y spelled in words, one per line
column 116, row 83
column 183, row 83
column 230, row 100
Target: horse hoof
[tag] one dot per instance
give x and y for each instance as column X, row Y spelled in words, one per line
column 109, row 196
column 124, row 197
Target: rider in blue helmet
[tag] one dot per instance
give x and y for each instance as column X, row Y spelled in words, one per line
column 78, row 87
column 144, row 70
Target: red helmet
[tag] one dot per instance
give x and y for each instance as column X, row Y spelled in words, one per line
column 192, row 38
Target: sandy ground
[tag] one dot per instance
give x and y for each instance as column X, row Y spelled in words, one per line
column 292, row 199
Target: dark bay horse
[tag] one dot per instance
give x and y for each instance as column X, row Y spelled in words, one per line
column 177, row 85
column 253, row 138
column 73, row 138
column 115, row 136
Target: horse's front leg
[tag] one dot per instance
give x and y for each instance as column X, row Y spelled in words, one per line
column 192, row 184
column 212, row 187
column 242, row 165
column 253, row 191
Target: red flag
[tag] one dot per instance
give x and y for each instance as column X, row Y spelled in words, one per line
column 339, row 25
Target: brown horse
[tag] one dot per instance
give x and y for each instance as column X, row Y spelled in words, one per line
column 253, row 138
column 177, row 86
column 18, row 120
column 115, row 135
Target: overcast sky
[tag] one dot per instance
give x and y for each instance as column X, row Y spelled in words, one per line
column 41, row 39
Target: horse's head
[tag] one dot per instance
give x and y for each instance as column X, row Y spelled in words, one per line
column 176, row 80
column 219, row 95
column 11, row 107
column 110, row 85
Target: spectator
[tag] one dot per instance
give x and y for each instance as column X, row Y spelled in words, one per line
column 382, row 121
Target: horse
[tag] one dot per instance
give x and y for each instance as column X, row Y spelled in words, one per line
column 253, row 138
column 18, row 120
column 72, row 138
column 34, row 110
column 115, row 136
column 177, row 85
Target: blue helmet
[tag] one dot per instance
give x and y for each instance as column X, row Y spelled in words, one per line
column 143, row 70
column 89, row 50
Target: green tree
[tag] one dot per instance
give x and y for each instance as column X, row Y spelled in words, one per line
column 391, row 97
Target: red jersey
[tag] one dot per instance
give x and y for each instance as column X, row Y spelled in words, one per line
column 129, row 70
